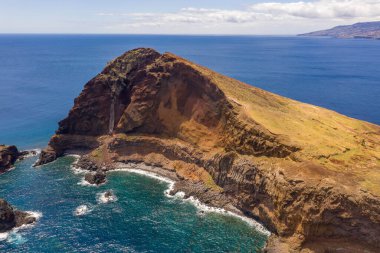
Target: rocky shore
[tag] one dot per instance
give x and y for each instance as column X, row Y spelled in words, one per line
column 10, row 154
column 310, row 175
column 11, row 218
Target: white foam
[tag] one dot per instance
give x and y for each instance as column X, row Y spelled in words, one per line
column 131, row 167
column 181, row 195
column 13, row 236
column 76, row 169
column 82, row 210
column 35, row 214
column 102, row 198
column 4, row 236
column 83, row 182
column 32, row 152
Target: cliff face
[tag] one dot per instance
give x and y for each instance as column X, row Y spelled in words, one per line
column 309, row 174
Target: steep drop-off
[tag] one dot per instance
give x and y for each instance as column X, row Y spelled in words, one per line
column 311, row 175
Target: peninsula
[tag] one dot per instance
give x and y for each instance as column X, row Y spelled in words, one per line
column 367, row 30
column 310, row 175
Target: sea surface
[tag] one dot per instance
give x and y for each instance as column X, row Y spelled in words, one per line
column 142, row 219
column 40, row 75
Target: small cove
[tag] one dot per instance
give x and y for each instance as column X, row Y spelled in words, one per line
column 141, row 219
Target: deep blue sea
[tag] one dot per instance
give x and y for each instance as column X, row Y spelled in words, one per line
column 40, row 75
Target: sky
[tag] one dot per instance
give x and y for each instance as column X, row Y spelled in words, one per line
column 249, row 17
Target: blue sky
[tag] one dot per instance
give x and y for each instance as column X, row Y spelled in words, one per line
column 182, row 17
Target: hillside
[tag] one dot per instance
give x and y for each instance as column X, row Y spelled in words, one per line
column 368, row 30
column 310, row 175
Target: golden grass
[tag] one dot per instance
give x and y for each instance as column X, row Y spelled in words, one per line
column 325, row 137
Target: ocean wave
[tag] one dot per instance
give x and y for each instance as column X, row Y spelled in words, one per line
column 83, row 182
column 76, row 169
column 196, row 202
column 106, row 197
column 13, row 235
column 32, row 152
column 82, row 210
column 4, row 236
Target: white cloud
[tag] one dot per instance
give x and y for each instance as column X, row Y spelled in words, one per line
column 277, row 16
column 324, row 9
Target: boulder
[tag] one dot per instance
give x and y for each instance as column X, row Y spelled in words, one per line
column 8, row 156
column 97, row 178
column 11, row 218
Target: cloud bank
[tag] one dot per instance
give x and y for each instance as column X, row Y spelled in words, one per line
column 273, row 14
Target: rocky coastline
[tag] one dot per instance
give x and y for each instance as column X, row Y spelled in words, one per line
column 10, row 154
column 11, row 218
column 308, row 174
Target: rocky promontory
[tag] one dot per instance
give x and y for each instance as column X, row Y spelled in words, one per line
column 11, row 218
column 310, row 175
column 10, row 154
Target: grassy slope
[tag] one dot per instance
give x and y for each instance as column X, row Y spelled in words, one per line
column 327, row 138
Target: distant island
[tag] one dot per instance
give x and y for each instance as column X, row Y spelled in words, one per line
column 367, row 30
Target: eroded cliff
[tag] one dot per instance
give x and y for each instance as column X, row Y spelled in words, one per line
column 310, row 175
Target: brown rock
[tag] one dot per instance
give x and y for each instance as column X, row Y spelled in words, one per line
column 99, row 177
column 8, row 156
column 10, row 218
column 309, row 174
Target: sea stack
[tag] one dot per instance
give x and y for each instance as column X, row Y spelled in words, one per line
column 8, row 156
column 11, row 218
column 310, row 175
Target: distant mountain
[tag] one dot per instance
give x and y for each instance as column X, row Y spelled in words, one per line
column 368, row 30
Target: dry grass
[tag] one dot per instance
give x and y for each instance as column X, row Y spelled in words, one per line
column 327, row 138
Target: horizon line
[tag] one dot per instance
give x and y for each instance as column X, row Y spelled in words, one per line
column 156, row 34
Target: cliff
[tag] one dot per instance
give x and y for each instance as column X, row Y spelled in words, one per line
column 11, row 218
column 368, row 30
column 311, row 175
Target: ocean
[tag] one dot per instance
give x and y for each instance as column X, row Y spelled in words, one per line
column 40, row 75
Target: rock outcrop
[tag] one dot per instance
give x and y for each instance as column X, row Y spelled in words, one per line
column 310, row 175
column 11, row 218
column 98, row 177
column 10, row 154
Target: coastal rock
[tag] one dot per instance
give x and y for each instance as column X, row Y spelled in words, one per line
column 87, row 164
column 8, row 156
column 11, row 218
column 310, row 175
column 99, row 177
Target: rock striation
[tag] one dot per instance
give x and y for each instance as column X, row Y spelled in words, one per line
column 310, row 175
column 11, row 218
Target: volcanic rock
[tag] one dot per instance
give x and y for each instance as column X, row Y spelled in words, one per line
column 310, row 175
column 11, row 218
column 96, row 178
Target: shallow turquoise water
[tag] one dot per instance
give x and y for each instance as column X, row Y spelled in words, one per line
column 143, row 219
